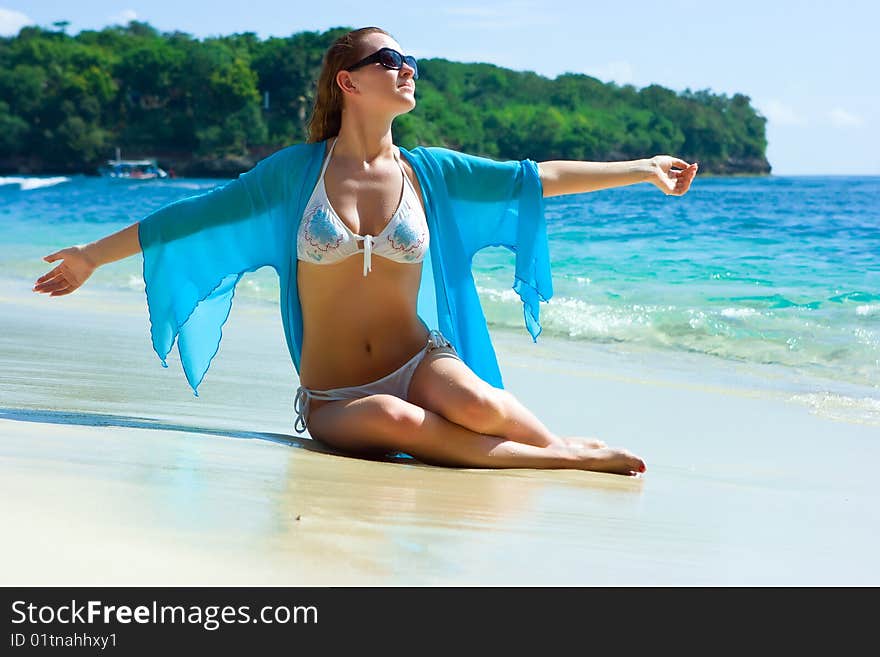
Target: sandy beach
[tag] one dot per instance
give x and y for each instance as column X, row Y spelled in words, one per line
column 112, row 472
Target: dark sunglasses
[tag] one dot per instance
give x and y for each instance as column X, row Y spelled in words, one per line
column 389, row 58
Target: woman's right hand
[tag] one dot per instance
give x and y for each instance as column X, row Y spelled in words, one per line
column 71, row 273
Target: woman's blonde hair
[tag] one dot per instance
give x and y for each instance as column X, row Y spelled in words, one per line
column 326, row 119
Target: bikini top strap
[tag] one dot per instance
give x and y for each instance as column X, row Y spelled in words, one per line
column 403, row 171
column 396, row 157
column 329, row 155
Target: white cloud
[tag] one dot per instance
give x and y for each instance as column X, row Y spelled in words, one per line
column 840, row 118
column 123, row 17
column 12, row 21
column 619, row 71
column 779, row 113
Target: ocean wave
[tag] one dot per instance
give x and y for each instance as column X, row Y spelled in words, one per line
column 826, row 346
column 860, row 410
column 26, row 183
column 869, row 309
column 187, row 185
column 856, row 295
column 776, row 301
column 739, row 312
column 134, row 282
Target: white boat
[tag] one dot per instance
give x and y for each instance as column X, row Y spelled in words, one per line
column 138, row 169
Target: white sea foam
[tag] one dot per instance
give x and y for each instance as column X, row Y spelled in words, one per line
column 866, row 337
column 187, row 185
column 575, row 317
column 861, row 410
column 739, row 312
column 498, row 295
column 135, row 282
column 741, row 334
column 27, row 183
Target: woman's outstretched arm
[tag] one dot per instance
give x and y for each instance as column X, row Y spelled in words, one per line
column 230, row 228
column 79, row 262
column 575, row 177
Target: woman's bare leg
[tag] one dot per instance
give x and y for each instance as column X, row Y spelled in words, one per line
column 385, row 422
column 516, row 422
column 447, row 386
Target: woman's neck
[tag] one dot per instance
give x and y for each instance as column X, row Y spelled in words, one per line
column 364, row 145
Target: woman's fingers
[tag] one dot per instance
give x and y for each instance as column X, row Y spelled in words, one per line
column 62, row 279
column 684, row 182
column 42, row 284
column 672, row 181
column 46, row 279
column 55, row 284
column 49, row 274
column 67, row 276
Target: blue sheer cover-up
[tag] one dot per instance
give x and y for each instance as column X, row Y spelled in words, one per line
column 195, row 250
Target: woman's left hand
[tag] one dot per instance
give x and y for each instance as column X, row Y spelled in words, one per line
column 671, row 181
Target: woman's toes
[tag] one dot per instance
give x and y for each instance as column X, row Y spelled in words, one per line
column 637, row 464
column 631, row 461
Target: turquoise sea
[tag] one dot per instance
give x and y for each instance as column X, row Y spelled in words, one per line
column 773, row 271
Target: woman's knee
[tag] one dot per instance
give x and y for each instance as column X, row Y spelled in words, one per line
column 484, row 410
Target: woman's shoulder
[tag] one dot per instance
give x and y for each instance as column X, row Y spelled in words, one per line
column 285, row 162
column 294, row 151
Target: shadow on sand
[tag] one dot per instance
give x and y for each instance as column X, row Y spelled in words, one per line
column 109, row 420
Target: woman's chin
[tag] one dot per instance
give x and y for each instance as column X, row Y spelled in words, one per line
column 410, row 103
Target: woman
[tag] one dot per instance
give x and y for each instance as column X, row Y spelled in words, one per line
column 374, row 377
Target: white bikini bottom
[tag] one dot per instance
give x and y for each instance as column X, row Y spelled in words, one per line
column 396, row 383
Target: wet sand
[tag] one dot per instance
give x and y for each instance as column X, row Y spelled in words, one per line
column 112, row 472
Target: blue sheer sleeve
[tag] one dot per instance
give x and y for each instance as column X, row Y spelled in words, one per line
column 195, row 251
column 501, row 203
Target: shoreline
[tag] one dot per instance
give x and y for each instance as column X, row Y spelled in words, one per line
column 114, row 473
column 738, row 376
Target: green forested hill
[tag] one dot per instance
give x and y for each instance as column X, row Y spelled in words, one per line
column 66, row 103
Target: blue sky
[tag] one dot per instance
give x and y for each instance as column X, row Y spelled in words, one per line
column 807, row 66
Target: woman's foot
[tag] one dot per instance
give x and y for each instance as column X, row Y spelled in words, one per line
column 577, row 441
column 595, row 455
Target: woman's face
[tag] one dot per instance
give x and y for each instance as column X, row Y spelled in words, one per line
column 375, row 86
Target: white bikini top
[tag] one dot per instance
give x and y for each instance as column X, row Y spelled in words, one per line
column 324, row 239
